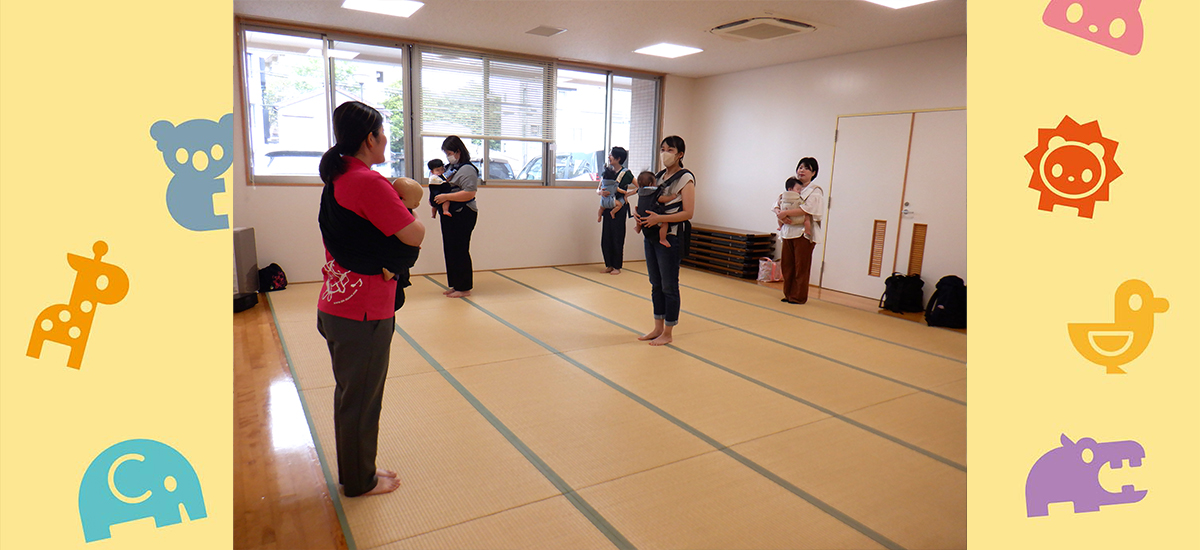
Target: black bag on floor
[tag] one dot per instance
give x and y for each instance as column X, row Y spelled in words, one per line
column 948, row 305
column 902, row 293
column 271, row 278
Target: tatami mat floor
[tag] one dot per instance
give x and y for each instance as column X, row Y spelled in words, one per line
column 528, row 416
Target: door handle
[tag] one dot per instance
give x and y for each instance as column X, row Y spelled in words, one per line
column 906, row 212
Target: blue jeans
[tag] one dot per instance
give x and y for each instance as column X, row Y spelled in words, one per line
column 662, row 263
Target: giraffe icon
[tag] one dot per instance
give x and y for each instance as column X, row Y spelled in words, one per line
column 95, row 283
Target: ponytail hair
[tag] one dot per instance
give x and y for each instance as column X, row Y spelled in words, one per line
column 352, row 122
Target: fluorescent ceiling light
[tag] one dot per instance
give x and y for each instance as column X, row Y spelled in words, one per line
column 341, row 54
column 897, row 4
column 398, row 8
column 668, row 50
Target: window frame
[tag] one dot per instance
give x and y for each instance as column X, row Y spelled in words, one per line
column 411, row 67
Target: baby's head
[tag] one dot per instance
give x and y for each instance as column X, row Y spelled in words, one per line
column 409, row 190
column 791, row 184
column 436, row 167
column 646, row 179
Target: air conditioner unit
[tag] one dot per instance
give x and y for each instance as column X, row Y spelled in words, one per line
column 761, row 29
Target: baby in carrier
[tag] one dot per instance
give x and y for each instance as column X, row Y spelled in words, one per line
column 615, row 199
column 652, row 199
column 438, row 184
column 790, row 200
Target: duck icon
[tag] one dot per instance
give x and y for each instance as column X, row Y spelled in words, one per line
column 1111, row 345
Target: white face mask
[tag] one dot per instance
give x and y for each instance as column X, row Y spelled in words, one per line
column 668, row 159
column 451, row 159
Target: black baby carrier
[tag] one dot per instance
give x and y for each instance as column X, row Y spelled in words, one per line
column 648, row 202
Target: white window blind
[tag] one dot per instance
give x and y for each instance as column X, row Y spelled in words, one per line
column 482, row 96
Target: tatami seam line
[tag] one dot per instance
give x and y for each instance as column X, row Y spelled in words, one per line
column 956, row 360
column 607, row 529
column 334, row 494
column 785, row 344
column 783, row 483
column 831, row 413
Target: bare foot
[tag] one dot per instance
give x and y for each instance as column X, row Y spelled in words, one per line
column 615, row 272
column 665, row 244
column 447, row 291
column 650, row 336
column 380, row 472
column 457, row 294
column 608, row 270
column 661, row 340
column 383, row 485
column 600, row 218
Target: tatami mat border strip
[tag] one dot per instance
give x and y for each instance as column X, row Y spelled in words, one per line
column 757, row 468
column 884, row 340
column 334, row 494
column 559, row 483
column 762, row 384
column 785, row 344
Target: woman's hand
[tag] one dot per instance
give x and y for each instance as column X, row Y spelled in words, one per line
column 605, row 193
column 440, row 198
column 388, row 275
column 652, row 218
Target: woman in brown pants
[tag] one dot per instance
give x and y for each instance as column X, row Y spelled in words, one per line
column 800, row 238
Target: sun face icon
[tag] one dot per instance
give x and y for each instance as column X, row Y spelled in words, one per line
column 1073, row 166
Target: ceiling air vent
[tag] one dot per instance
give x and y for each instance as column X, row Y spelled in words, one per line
column 759, row 29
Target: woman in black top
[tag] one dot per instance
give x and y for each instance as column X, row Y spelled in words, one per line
column 612, row 230
column 457, row 227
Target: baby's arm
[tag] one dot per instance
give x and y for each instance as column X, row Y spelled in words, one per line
column 664, row 199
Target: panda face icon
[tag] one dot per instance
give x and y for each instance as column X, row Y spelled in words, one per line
column 1071, row 169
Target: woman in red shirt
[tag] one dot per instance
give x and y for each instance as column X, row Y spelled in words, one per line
column 361, row 214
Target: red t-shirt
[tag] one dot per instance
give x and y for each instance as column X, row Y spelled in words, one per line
column 345, row 293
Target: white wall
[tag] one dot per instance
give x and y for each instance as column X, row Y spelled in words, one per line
column 516, row 228
column 751, row 128
column 678, row 113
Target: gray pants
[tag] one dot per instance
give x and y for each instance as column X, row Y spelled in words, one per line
column 359, row 350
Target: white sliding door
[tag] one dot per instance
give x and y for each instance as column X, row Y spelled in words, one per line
column 867, row 182
column 935, row 197
column 894, row 176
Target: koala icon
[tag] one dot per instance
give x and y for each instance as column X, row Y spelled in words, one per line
column 135, row 479
column 197, row 152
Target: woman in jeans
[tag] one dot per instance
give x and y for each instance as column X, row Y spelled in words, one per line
column 662, row 262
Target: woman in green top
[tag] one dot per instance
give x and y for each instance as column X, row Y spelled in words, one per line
column 612, row 230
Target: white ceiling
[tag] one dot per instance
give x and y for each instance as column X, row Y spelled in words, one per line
column 606, row 32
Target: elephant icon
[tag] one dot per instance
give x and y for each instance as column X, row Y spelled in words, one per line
column 136, row 479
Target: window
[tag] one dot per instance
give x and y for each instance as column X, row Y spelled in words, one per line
column 288, row 98
column 597, row 111
column 375, row 76
column 513, row 114
column 498, row 106
column 287, row 106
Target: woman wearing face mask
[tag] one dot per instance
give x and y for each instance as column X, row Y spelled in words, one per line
column 662, row 262
column 457, row 227
column 612, row 232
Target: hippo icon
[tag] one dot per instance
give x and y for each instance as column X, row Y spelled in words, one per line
column 1070, row 473
column 136, row 479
